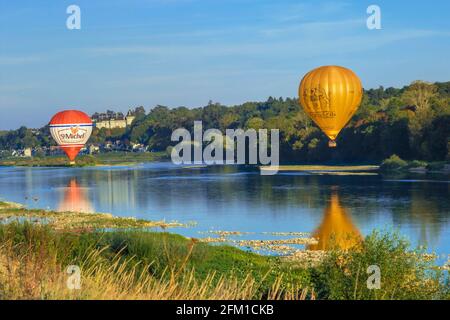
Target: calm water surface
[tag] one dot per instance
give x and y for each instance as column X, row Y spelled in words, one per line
column 236, row 199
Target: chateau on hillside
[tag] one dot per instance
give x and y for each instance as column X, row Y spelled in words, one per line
column 112, row 120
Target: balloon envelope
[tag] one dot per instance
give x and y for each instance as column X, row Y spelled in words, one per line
column 71, row 130
column 330, row 95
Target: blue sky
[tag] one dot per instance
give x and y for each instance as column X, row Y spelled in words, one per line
column 186, row 52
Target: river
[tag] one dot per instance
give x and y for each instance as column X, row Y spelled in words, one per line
column 231, row 198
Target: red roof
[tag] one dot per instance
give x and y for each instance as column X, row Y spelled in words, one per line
column 69, row 117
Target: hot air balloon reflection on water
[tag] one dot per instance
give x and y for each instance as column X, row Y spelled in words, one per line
column 75, row 199
column 71, row 130
column 336, row 230
column 330, row 95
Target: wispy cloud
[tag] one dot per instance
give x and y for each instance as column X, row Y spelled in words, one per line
column 298, row 41
column 305, row 11
column 17, row 60
column 314, row 27
column 16, row 88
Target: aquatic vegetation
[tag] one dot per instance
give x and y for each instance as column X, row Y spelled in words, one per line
column 226, row 233
column 292, row 233
column 261, row 244
column 76, row 221
column 306, row 258
column 446, row 265
column 214, row 240
column 11, row 205
column 278, row 246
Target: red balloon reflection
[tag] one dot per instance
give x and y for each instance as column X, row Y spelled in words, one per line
column 75, row 199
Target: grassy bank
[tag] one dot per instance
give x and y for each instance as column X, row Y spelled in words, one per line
column 137, row 264
column 110, row 158
column 71, row 221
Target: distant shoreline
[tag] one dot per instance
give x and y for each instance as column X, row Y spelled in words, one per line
column 98, row 160
column 118, row 159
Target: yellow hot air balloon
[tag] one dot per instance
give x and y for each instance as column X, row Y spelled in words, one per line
column 330, row 95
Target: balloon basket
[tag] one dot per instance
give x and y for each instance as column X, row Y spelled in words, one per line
column 332, row 144
column 72, row 163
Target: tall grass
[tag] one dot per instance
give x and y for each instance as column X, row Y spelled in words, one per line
column 146, row 265
column 33, row 261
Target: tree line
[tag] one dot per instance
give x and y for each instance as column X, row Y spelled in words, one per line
column 412, row 122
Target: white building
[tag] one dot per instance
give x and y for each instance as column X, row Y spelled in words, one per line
column 113, row 120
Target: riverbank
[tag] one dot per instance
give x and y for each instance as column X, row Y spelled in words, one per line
column 75, row 221
column 395, row 164
column 131, row 262
column 327, row 169
column 391, row 165
column 102, row 159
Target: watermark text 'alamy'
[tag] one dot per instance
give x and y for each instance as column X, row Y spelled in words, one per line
column 240, row 147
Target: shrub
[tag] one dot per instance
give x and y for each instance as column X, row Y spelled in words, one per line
column 404, row 274
column 394, row 162
column 417, row 164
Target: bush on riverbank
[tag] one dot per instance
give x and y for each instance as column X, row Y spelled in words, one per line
column 394, row 164
column 404, row 274
column 149, row 265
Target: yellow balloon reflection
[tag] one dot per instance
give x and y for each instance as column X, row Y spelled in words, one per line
column 337, row 229
column 75, row 199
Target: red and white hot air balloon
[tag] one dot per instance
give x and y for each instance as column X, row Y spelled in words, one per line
column 71, row 130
